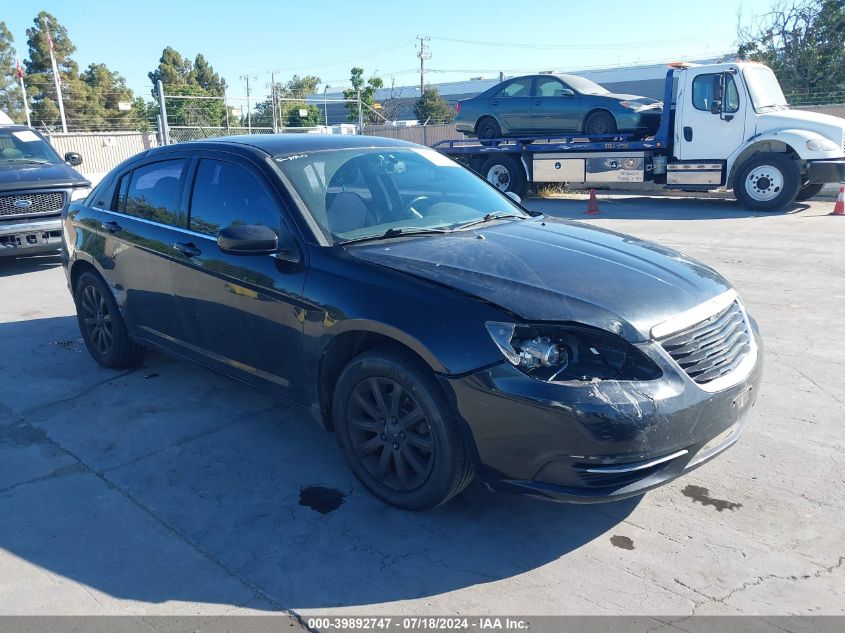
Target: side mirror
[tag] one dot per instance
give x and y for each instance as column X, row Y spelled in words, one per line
column 514, row 197
column 74, row 158
column 716, row 107
column 566, row 92
column 248, row 239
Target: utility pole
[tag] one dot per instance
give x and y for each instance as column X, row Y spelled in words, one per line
column 56, row 79
column 164, row 131
column 326, row 106
column 360, row 114
column 246, row 78
column 424, row 53
column 19, row 72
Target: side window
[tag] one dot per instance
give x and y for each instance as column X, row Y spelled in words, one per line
column 549, row 88
column 154, row 192
column 516, row 88
column 225, row 194
column 704, row 90
column 731, row 97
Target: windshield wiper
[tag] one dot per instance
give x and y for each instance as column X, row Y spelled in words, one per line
column 395, row 232
column 495, row 215
column 34, row 161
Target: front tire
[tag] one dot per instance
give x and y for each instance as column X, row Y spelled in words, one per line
column 101, row 324
column 398, row 432
column 506, row 174
column 767, row 182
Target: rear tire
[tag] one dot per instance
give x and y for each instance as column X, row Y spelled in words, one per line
column 810, row 190
column 600, row 123
column 398, row 432
column 101, row 324
column 506, row 174
column 488, row 128
column 767, row 182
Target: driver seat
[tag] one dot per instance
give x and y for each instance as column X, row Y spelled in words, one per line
column 347, row 212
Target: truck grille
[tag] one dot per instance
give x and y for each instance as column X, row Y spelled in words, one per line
column 711, row 348
column 39, row 203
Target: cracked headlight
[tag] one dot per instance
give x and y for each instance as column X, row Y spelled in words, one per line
column 821, row 145
column 570, row 353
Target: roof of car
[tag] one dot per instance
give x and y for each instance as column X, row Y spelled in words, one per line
column 284, row 144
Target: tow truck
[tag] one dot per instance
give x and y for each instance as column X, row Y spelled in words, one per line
column 723, row 126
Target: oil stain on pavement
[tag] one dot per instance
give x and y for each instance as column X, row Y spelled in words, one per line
column 622, row 542
column 702, row 495
column 320, row 498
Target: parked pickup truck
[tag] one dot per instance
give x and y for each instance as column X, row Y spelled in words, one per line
column 723, row 126
column 35, row 187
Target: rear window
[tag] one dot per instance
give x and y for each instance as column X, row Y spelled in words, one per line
column 155, row 191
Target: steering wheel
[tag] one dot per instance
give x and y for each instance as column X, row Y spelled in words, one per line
column 408, row 208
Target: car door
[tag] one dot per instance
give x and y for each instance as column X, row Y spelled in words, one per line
column 137, row 218
column 239, row 313
column 511, row 105
column 555, row 107
column 705, row 135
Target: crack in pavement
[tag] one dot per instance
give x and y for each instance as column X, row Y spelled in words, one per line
column 759, row 580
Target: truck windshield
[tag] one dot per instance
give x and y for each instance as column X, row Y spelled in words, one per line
column 764, row 88
column 368, row 193
column 20, row 145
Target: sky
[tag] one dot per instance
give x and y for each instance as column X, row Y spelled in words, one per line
column 469, row 38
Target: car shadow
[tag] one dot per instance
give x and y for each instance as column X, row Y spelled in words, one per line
column 645, row 207
column 18, row 265
column 171, row 483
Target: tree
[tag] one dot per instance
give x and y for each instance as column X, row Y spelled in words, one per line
column 107, row 94
column 368, row 96
column 11, row 99
column 181, row 77
column 803, row 41
column 289, row 113
column 39, row 73
column 433, row 108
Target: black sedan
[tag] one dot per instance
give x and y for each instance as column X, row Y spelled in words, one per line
column 548, row 104
column 438, row 328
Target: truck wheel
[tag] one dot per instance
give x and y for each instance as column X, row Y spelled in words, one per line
column 398, row 432
column 506, row 174
column 810, row 190
column 102, row 326
column 600, row 122
column 767, row 182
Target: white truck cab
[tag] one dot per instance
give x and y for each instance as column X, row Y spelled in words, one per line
column 734, row 128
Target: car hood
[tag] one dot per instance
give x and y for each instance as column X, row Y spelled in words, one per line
column 546, row 269
column 16, row 176
column 831, row 127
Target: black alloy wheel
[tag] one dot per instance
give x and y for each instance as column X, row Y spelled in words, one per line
column 390, row 434
column 101, row 324
column 397, row 430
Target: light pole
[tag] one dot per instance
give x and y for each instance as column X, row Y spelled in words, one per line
column 326, row 106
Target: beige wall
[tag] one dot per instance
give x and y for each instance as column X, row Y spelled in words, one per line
column 101, row 151
column 835, row 110
column 420, row 134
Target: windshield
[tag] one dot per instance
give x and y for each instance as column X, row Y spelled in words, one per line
column 355, row 194
column 764, row 88
column 585, row 86
column 25, row 146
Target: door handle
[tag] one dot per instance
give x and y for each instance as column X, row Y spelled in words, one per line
column 188, row 249
column 492, row 103
column 111, row 226
column 687, row 134
column 538, row 102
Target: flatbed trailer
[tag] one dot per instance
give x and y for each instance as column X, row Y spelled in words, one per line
column 769, row 158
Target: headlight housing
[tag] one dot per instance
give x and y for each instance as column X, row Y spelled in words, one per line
column 570, row 353
column 821, row 145
column 79, row 193
column 636, row 106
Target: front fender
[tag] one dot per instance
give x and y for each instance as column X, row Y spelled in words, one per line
column 797, row 141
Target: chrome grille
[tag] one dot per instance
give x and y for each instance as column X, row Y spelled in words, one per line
column 711, row 348
column 39, row 203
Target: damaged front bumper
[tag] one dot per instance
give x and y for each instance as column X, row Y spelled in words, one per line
column 598, row 441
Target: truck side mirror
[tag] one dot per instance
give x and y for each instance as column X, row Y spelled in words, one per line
column 716, row 107
column 74, row 158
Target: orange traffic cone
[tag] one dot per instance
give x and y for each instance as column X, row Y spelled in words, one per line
column 839, row 207
column 593, row 206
